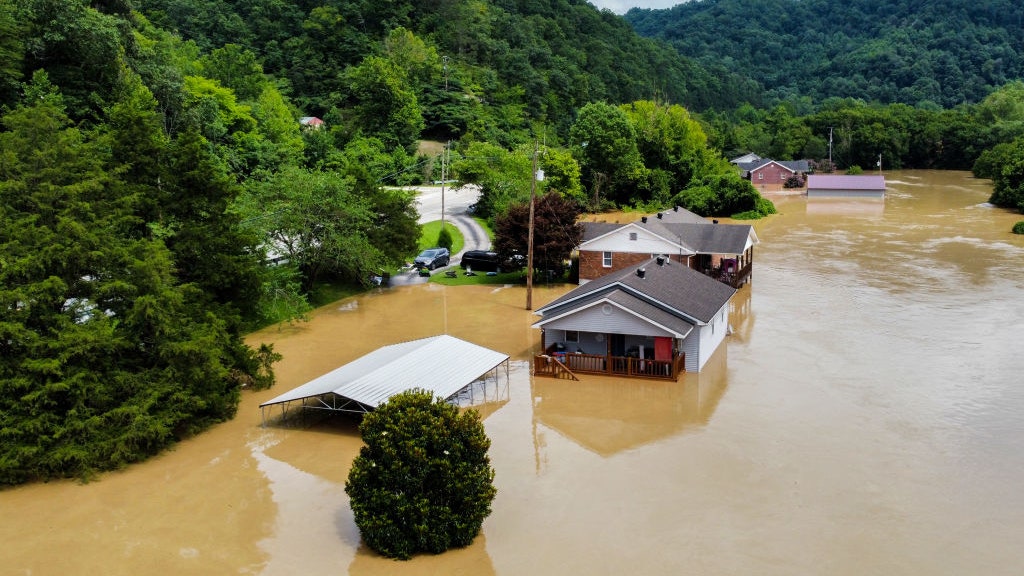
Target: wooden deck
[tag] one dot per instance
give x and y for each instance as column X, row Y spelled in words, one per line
column 734, row 279
column 556, row 366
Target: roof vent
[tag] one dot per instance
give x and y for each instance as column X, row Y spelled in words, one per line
column 659, row 215
column 640, row 272
column 714, row 221
column 675, row 208
column 660, row 260
column 643, row 219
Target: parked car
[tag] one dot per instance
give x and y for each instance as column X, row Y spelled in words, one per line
column 432, row 258
column 490, row 261
column 481, row 261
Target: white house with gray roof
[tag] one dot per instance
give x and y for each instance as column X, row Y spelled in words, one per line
column 653, row 320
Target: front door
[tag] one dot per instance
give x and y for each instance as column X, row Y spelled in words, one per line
column 618, row 351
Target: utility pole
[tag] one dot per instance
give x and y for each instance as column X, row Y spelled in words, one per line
column 529, row 240
column 830, row 149
column 443, row 179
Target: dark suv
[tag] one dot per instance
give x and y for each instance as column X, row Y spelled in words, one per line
column 481, row 260
column 432, row 258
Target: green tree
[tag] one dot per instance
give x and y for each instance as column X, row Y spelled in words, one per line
column 12, row 51
column 1007, row 173
column 104, row 357
column 236, row 68
column 316, row 222
column 556, row 232
column 723, row 193
column 503, row 176
column 211, row 249
column 562, row 174
column 381, row 103
column 423, row 481
column 606, row 145
column 670, row 142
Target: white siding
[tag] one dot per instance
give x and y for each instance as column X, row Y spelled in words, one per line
column 711, row 337
column 691, row 347
column 608, row 319
column 839, row 193
column 618, row 241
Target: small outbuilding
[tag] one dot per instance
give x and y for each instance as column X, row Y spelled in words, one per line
column 444, row 365
column 846, row 185
column 311, row 122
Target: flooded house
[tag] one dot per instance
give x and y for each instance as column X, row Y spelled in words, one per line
column 654, row 320
column 846, row 185
column 722, row 251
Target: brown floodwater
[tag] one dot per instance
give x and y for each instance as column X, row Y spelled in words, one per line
column 866, row 416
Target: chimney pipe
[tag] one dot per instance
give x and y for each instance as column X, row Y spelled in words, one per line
column 640, row 272
column 675, row 208
column 643, row 219
column 659, row 215
column 660, row 260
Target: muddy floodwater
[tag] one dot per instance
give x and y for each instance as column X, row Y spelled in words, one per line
column 866, row 416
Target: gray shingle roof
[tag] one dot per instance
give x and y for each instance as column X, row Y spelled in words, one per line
column 707, row 238
column 673, row 288
column 593, row 230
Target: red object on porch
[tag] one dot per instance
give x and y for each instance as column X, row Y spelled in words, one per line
column 662, row 348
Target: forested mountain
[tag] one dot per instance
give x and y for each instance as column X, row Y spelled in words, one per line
column 492, row 60
column 910, row 51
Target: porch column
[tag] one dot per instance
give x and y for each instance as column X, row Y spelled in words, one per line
column 607, row 353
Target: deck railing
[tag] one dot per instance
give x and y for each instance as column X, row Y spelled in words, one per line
column 551, row 366
column 547, row 365
column 734, row 279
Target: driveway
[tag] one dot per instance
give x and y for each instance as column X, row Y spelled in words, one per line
column 456, row 205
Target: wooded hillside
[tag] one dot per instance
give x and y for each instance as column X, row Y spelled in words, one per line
column 919, row 53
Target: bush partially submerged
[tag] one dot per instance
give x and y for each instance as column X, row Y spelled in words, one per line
column 423, row 482
column 1018, row 228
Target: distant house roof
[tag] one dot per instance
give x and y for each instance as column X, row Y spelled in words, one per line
column 844, row 185
column 441, row 364
column 671, row 295
column 846, row 181
column 311, row 121
column 746, row 158
column 791, row 165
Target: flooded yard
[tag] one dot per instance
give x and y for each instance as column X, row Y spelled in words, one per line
column 866, row 416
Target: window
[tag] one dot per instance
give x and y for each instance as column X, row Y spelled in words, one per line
column 606, row 260
column 572, row 336
column 760, row 175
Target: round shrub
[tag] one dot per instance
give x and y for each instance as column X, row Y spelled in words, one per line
column 1018, row 228
column 444, row 238
column 423, row 482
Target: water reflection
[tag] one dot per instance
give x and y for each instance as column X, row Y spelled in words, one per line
column 472, row 560
column 872, row 207
column 609, row 415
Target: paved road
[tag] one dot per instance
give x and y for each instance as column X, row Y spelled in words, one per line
column 456, row 203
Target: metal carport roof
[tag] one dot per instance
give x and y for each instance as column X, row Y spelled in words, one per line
column 441, row 364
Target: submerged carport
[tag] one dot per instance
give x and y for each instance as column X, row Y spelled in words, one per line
column 443, row 365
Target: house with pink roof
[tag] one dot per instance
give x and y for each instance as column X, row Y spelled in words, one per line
column 846, row 185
